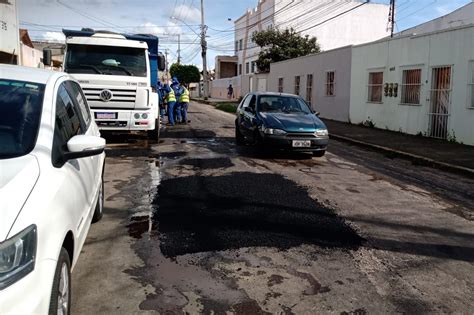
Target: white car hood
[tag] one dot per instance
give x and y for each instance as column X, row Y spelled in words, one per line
column 18, row 176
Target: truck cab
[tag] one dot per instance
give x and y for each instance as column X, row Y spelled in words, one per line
column 118, row 74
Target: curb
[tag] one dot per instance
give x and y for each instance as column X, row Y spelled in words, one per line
column 409, row 156
column 202, row 101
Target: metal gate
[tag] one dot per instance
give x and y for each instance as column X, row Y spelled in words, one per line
column 440, row 102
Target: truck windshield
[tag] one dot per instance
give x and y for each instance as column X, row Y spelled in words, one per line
column 20, row 113
column 108, row 60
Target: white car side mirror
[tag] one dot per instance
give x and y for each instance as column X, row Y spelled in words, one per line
column 83, row 146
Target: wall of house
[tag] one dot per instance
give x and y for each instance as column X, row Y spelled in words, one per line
column 227, row 70
column 365, row 23
column 257, row 19
column 453, row 48
column 218, row 88
column 31, row 57
column 334, row 107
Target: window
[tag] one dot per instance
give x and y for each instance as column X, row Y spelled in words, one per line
column 96, row 59
column 252, row 102
column 253, row 34
column 247, row 68
column 236, row 48
column 375, row 87
column 241, row 42
column 21, row 105
column 245, row 101
column 411, row 86
column 67, row 125
column 471, row 86
column 283, row 104
column 76, row 93
column 297, row 85
column 309, row 89
column 330, row 83
column 240, row 68
column 253, row 66
column 280, row 85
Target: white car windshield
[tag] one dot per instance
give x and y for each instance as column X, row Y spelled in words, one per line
column 106, row 60
column 20, row 113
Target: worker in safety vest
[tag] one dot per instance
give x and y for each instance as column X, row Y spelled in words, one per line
column 184, row 102
column 171, row 100
column 177, row 92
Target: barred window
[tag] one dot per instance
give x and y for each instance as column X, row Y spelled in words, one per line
column 411, row 86
column 297, row 85
column 280, row 85
column 375, row 87
column 330, row 83
column 309, row 89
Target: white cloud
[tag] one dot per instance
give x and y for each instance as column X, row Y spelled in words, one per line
column 189, row 15
column 54, row 37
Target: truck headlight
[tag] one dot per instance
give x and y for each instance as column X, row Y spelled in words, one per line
column 321, row 133
column 273, row 131
column 17, row 256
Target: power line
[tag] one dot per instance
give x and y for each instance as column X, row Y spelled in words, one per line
column 88, row 16
column 431, row 3
column 332, row 18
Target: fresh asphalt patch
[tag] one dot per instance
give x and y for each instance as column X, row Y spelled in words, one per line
column 211, row 213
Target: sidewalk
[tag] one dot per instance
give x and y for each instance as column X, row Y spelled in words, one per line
column 213, row 100
column 439, row 153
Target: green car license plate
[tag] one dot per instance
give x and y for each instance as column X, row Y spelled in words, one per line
column 301, row 143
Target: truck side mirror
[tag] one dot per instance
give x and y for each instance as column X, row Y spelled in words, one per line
column 161, row 62
column 47, row 56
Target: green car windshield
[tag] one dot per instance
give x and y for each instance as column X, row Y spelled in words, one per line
column 20, row 114
column 284, row 104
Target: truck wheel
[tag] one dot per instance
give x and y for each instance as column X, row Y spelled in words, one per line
column 60, row 302
column 155, row 133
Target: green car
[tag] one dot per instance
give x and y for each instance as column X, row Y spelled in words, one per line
column 280, row 121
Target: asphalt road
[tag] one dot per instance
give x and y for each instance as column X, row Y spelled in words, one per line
column 195, row 224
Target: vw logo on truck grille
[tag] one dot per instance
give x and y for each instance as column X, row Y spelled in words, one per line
column 105, row 95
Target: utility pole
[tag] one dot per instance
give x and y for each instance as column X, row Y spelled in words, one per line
column 203, row 53
column 391, row 18
column 179, row 49
column 166, row 65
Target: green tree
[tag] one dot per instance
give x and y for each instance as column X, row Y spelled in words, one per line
column 185, row 73
column 282, row 45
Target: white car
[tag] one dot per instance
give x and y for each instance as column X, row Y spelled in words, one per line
column 51, row 187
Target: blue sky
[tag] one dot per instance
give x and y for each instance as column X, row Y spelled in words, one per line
column 45, row 18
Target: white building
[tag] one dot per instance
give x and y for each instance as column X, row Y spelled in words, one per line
column 420, row 84
column 9, row 32
column 335, row 24
column 323, row 80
